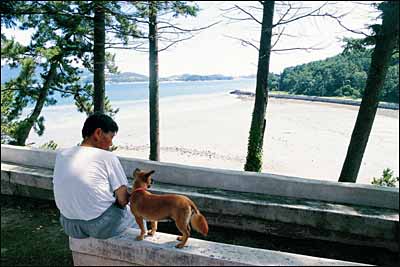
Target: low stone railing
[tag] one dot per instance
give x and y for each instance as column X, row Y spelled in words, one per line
column 237, row 181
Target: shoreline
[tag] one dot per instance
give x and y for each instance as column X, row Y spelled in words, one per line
column 245, row 96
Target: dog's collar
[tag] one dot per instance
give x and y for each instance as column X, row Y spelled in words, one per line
column 139, row 189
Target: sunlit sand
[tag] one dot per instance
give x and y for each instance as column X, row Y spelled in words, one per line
column 303, row 139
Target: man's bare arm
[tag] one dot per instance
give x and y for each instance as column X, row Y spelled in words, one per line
column 122, row 196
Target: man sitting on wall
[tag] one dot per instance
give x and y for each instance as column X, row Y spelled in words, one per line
column 90, row 185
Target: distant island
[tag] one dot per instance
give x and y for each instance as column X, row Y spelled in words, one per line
column 134, row 77
column 194, row 77
column 126, row 77
column 8, row 73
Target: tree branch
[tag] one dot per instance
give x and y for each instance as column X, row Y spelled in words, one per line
column 175, row 42
column 237, row 19
column 278, row 38
column 299, row 17
column 243, row 41
column 284, row 15
column 296, row 48
column 344, row 27
column 185, row 30
column 248, row 13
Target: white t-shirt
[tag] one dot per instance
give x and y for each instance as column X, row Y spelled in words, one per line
column 84, row 181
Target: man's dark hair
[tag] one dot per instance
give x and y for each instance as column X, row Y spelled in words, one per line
column 98, row 120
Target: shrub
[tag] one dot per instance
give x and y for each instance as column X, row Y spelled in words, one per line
column 51, row 145
column 387, row 179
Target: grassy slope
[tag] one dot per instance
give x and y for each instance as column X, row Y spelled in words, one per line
column 31, row 233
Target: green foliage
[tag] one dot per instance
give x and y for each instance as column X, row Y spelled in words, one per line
column 390, row 91
column 62, row 36
column 11, row 50
column 174, row 8
column 387, row 179
column 273, row 82
column 16, row 94
column 182, row 8
column 341, row 75
column 254, row 158
column 51, row 145
column 7, row 126
column 346, row 74
column 166, row 12
column 83, row 101
column 50, row 49
column 113, row 148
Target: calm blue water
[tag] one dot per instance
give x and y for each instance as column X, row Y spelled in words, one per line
column 140, row 91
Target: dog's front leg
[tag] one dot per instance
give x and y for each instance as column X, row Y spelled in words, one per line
column 153, row 228
column 139, row 221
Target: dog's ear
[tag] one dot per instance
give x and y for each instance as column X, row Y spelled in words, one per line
column 147, row 175
column 135, row 171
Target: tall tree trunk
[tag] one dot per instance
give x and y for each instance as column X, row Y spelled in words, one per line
column 258, row 123
column 153, row 86
column 386, row 41
column 99, row 58
column 26, row 126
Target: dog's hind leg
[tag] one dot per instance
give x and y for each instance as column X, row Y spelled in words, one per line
column 182, row 225
column 188, row 228
column 180, row 237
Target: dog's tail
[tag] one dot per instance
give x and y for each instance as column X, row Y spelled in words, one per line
column 198, row 221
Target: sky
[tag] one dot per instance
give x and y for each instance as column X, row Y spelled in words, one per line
column 212, row 52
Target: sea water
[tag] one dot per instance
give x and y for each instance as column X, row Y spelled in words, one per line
column 140, row 90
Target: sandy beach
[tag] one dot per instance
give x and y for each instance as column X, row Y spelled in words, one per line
column 303, row 139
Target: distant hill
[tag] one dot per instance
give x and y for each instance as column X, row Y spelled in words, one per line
column 8, row 73
column 194, row 77
column 341, row 75
column 252, row 76
column 126, row 77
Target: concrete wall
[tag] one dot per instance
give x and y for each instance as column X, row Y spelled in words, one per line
column 272, row 94
column 333, row 100
column 278, row 185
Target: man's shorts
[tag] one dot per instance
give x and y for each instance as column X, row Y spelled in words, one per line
column 111, row 223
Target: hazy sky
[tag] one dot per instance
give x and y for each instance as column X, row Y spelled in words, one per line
column 210, row 52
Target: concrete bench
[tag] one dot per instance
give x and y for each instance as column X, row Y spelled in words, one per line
column 160, row 249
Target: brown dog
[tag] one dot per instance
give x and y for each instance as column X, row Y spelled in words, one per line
column 148, row 206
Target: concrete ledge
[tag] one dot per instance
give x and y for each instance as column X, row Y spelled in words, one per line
column 160, row 250
column 27, row 156
column 272, row 94
column 294, row 217
column 282, row 216
column 278, row 185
